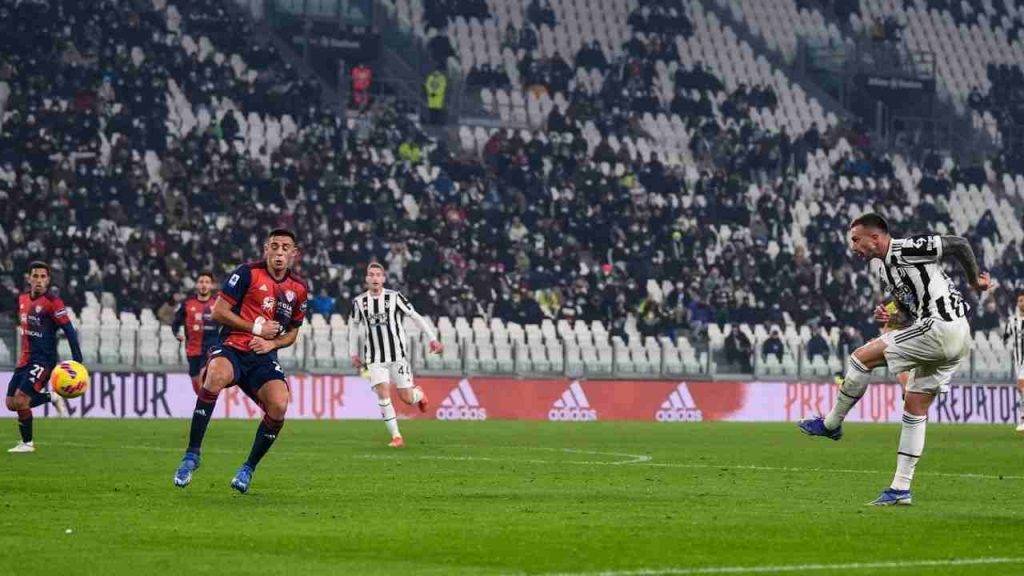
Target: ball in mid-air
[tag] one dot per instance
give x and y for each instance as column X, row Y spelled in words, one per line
column 69, row 379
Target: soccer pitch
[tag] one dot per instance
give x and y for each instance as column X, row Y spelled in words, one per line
column 510, row 497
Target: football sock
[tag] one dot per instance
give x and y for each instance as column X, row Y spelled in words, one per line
column 387, row 412
column 911, row 446
column 854, row 385
column 266, row 433
column 25, row 425
column 201, row 419
column 39, row 398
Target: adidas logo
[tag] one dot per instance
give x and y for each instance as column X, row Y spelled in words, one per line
column 263, row 288
column 679, row 407
column 572, row 406
column 461, row 404
column 200, row 412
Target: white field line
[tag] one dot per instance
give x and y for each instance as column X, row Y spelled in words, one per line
column 629, row 460
column 854, row 566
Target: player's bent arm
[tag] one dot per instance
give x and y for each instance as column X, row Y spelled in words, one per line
column 287, row 339
column 225, row 316
column 960, row 249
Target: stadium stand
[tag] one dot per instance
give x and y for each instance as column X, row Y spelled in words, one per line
column 648, row 166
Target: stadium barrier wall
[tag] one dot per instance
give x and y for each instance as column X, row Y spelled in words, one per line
column 334, row 397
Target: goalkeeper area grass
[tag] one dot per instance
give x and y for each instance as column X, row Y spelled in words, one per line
column 509, row 498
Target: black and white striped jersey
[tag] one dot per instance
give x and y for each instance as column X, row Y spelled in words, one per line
column 383, row 334
column 1015, row 332
column 913, row 274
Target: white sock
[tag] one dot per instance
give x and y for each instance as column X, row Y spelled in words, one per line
column 911, row 446
column 858, row 376
column 387, row 412
column 416, row 395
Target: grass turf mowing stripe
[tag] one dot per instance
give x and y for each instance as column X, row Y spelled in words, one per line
column 895, row 565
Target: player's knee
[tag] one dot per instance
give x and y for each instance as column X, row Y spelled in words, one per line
column 18, row 402
column 277, row 408
column 869, row 355
column 218, row 376
column 917, row 403
column 382, row 390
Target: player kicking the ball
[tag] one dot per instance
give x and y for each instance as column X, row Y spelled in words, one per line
column 261, row 307
column 385, row 353
column 931, row 348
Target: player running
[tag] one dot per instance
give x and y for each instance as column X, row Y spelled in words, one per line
column 1015, row 331
column 201, row 332
column 931, row 348
column 261, row 307
column 39, row 315
column 385, row 354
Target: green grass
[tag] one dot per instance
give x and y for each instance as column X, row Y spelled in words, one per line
column 503, row 497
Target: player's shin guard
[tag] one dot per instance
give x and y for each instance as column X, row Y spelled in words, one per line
column 25, row 425
column 387, row 412
column 265, row 436
column 201, row 419
column 855, row 383
column 911, row 447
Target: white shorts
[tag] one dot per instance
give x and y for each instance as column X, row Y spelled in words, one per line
column 398, row 373
column 931, row 350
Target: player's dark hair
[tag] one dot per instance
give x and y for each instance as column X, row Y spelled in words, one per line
column 37, row 264
column 373, row 265
column 872, row 220
column 207, row 274
column 282, row 232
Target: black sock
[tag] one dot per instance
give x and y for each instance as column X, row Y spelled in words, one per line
column 39, row 398
column 25, row 425
column 265, row 436
column 201, row 419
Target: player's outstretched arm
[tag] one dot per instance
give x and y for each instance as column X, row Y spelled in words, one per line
column 61, row 318
column 960, row 249
column 72, row 335
column 435, row 344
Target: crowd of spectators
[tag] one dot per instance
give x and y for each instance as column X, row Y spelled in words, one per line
column 535, row 228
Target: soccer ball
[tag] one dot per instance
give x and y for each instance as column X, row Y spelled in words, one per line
column 69, row 379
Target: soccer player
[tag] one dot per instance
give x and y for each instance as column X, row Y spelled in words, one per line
column 385, row 355
column 931, row 348
column 260, row 308
column 201, row 332
column 39, row 315
column 1015, row 331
